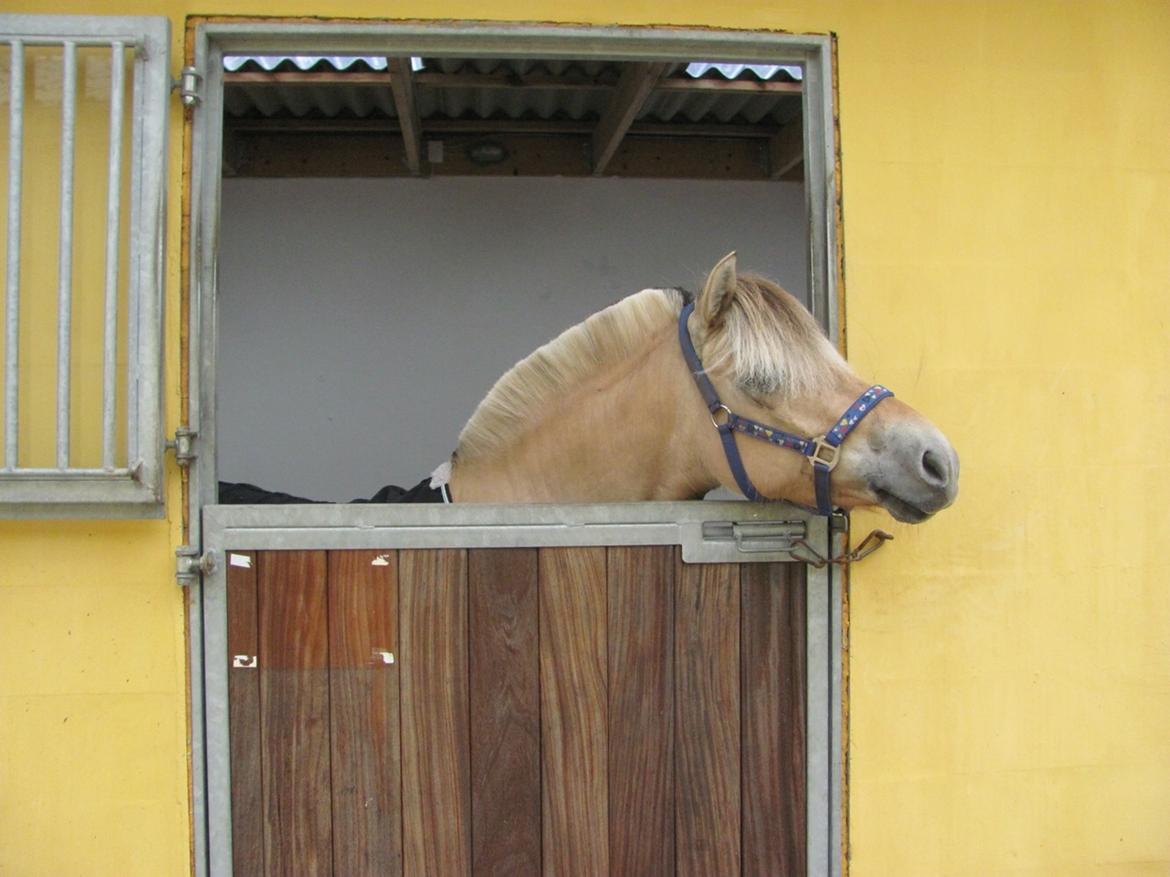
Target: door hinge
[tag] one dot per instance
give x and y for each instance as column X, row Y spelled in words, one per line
column 183, row 444
column 189, row 85
column 191, row 564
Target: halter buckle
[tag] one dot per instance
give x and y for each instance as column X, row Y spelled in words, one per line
column 726, row 416
column 824, row 454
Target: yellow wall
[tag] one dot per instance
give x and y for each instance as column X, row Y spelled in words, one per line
column 1007, row 199
column 93, row 655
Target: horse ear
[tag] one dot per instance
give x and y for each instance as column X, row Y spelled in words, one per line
column 718, row 291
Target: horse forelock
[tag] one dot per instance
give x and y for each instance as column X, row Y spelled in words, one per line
column 771, row 345
column 613, row 334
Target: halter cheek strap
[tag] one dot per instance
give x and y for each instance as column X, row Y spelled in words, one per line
column 822, row 451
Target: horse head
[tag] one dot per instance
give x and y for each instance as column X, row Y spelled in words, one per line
column 773, row 375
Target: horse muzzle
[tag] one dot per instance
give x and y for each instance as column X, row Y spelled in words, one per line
column 916, row 472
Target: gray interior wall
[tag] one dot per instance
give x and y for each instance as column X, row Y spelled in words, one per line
column 360, row 321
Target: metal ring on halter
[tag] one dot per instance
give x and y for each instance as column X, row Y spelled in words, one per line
column 726, row 416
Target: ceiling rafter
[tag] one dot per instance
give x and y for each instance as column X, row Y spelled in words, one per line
column 402, row 85
column 636, row 82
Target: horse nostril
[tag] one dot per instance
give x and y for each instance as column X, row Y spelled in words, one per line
column 934, row 468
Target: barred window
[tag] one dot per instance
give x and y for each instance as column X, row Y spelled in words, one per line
column 83, row 106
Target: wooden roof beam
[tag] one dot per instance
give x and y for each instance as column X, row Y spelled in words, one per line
column 489, row 127
column 636, row 82
column 568, row 81
column 402, row 85
column 730, row 86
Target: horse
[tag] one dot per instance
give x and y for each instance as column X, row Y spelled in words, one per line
column 658, row 397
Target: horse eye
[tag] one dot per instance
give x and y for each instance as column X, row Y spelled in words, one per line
column 757, row 391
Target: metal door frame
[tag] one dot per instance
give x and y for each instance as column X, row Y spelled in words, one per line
column 215, row 527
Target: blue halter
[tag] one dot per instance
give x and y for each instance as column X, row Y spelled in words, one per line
column 822, row 452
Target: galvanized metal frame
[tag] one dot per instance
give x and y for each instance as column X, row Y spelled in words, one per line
column 258, row 528
column 220, row 528
column 63, row 490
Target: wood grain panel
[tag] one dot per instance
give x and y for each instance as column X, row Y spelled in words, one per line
column 363, row 703
column 573, row 711
column 294, row 706
column 641, row 711
column 773, row 692
column 505, row 712
column 436, row 806
column 244, row 716
column 707, row 734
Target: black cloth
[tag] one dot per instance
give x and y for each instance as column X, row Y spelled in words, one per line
column 238, row 493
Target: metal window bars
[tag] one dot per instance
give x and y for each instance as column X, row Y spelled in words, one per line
column 128, row 480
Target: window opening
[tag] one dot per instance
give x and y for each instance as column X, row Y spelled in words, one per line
column 532, row 192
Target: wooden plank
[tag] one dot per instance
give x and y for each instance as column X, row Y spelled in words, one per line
column 773, row 679
column 436, row 805
column 402, row 85
column 298, row 155
column 294, row 712
column 505, row 712
column 244, row 715
column 729, row 86
column 363, row 705
column 568, row 81
column 496, row 127
column 641, row 711
column 573, row 711
column 663, row 158
column 785, row 150
column 634, row 86
column 707, row 735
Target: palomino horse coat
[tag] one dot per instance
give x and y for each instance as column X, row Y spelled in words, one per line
column 610, row 411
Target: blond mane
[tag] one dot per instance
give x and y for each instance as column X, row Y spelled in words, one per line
column 608, row 336
column 768, row 342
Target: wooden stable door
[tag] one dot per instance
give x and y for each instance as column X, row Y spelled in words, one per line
column 561, row 711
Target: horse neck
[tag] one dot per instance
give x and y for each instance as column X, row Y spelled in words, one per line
column 625, row 433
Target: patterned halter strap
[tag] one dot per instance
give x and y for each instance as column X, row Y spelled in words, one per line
column 822, row 451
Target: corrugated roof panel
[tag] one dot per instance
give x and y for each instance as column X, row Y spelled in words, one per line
column 765, row 72
column 298, row 101
column 519, row 66
column 465, row 100
column 526, row 103
column 760, row 108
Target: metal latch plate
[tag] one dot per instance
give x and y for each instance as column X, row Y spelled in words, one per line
column 742, row 541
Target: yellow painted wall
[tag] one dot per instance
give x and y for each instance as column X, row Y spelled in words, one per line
column 93, row 654
column 1007, row 201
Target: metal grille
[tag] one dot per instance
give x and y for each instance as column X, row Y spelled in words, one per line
column 86, row 133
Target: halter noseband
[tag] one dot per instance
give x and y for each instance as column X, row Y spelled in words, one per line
column 822, row 452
